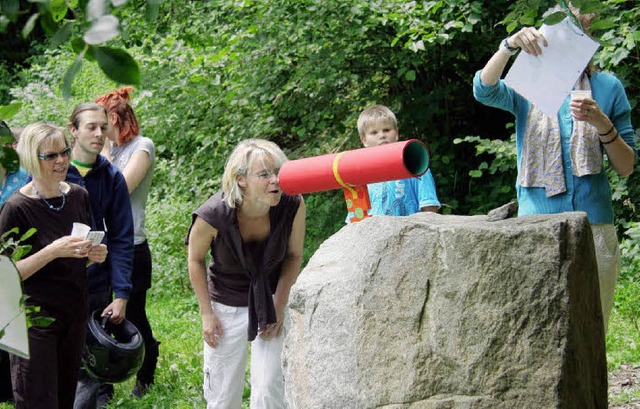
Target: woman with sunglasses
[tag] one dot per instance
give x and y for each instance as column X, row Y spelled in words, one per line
column 255, row 234
column 53, row 271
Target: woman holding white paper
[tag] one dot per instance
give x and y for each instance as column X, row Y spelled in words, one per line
column 560, row 158
column 53, row 270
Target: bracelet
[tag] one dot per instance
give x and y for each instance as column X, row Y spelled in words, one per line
column 613, row 139
column 608, row 132
column 504, row 47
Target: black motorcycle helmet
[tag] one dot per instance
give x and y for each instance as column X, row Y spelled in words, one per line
column 113, row 352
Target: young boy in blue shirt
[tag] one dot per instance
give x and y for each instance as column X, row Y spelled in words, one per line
column 377, row 125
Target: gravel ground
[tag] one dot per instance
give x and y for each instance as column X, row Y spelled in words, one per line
column 624, row 381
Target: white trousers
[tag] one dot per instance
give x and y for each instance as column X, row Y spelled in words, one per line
column 608, row 257
column 225, row 366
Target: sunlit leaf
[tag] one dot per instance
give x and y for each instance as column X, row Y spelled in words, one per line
column 41, row 321
column 58, row 9
column 8, row 111
column 67, row 81
column 151, row 11
column 118, row 65
column 28, row 27
column 62, row 35
column 602, row 24
column 410, row 75
column 555, row 18
column 4, row 22
column 28, row 234
column 103, row 29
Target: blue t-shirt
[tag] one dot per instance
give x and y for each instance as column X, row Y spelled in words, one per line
column 402, row 197
column 15, row 180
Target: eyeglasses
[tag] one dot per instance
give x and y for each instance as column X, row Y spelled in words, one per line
column 53, row 156
column 266, row 174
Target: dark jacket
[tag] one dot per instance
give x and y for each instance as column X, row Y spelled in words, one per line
column 111, row 212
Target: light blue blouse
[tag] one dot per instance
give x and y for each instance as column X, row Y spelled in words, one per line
column 15, row 180
column 590, row 194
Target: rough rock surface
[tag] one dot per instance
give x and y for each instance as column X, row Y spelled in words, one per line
column 432, row 311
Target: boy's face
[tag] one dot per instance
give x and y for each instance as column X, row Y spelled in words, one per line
column 378, row 133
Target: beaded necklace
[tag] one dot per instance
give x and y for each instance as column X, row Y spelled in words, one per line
column 52, row 207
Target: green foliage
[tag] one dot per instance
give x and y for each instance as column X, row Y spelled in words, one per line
column 85, row 25
column 326, row 214
column 528, row 12
column 11, row 247
column 496, row 175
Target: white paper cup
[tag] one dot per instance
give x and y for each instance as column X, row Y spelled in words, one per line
column 80, row 230
column 580, row 94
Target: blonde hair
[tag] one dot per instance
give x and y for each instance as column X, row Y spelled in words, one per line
column 240, row 161
column 375, row 113
column 32, row 138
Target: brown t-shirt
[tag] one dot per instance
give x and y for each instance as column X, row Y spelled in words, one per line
column 242, row 274
column 59, row 287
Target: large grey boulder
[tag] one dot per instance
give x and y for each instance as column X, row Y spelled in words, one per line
column 433, row 311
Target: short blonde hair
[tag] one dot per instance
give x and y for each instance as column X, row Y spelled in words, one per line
column 32, row 138
column 375, row 113
column 240, row 161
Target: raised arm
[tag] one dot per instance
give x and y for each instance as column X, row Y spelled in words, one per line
column 525, row 39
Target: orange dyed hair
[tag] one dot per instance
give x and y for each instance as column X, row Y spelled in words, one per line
column 120, row 113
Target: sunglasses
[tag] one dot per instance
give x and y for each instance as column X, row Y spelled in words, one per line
column 53, row 156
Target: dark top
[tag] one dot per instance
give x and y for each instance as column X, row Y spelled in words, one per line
column 60, row 287
column 246, row 274
column 111, row 211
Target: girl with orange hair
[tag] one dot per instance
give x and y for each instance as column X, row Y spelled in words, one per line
column 134, row 155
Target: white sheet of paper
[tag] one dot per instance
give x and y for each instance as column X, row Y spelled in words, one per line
column 15, row 339
column 546, row 80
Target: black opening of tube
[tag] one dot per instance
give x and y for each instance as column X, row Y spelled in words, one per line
column 416, row 158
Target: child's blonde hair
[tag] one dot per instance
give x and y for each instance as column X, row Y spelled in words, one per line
column 375, row 113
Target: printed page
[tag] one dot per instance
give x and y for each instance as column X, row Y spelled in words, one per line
column 546, row 80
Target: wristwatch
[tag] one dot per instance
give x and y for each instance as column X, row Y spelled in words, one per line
column 504, row 46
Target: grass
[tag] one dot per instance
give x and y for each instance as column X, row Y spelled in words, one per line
column 623, row 342
column 175, row 319
column 176, row 323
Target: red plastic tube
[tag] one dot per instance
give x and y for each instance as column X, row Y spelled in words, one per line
column 359, row 167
